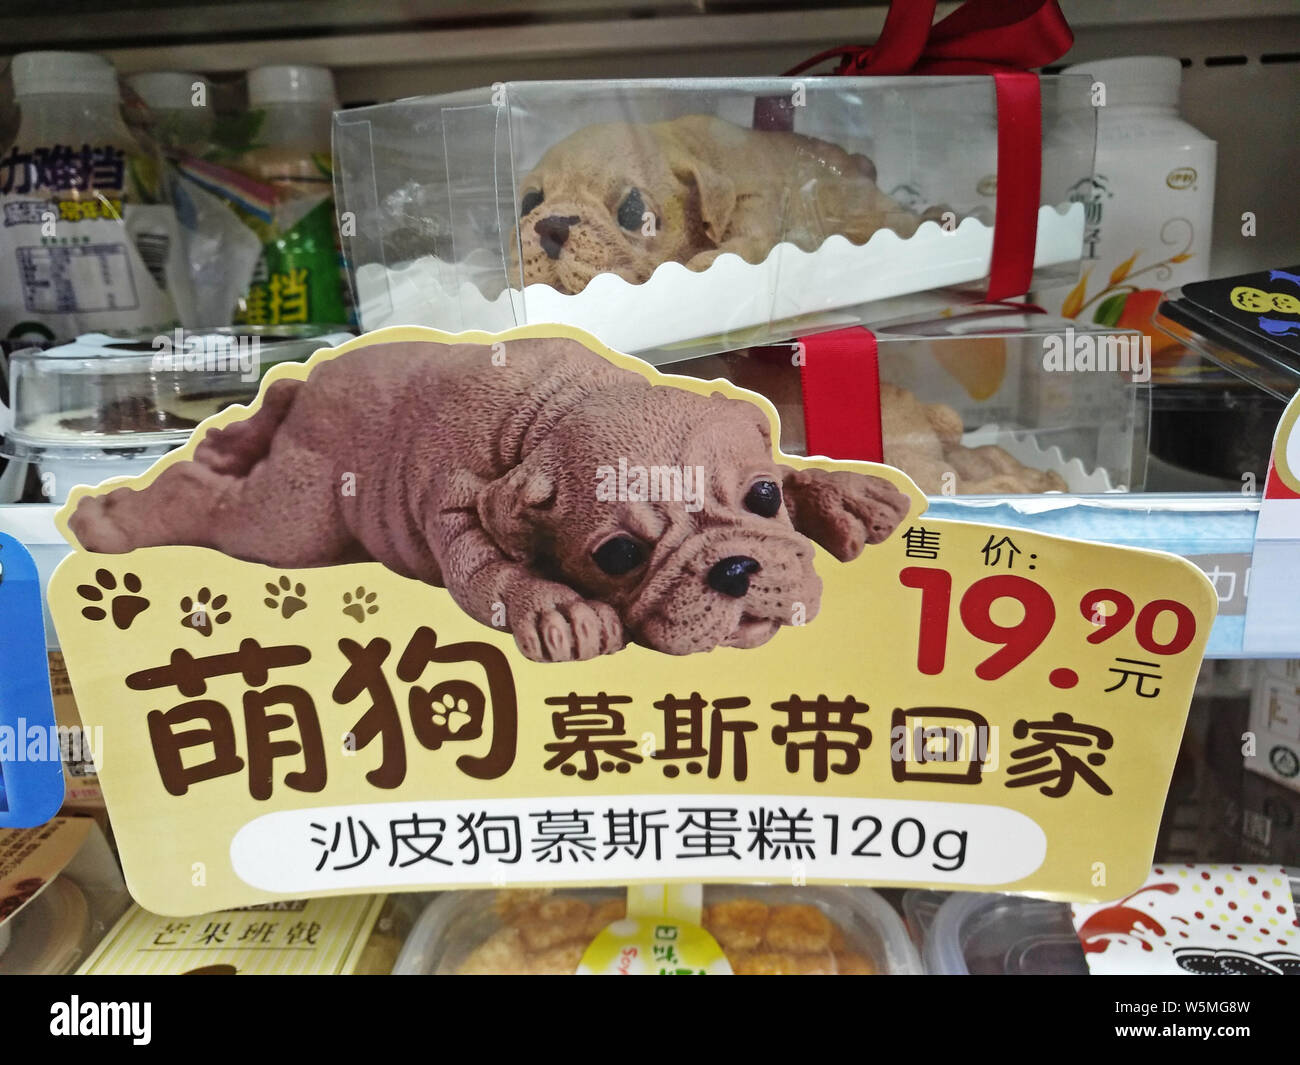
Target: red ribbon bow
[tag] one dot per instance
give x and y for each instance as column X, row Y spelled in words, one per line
column 980, row 37
column 840, row 376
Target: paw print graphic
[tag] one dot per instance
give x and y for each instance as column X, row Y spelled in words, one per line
column 451, row 712
column 203, row 612
column 286, row 597
column 125, row 604
column 360, row 604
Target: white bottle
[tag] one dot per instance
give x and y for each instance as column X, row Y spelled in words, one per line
column 87, row 243
column 300, row 278
column 1150, row 202
column 180, row 105
column 297, row 103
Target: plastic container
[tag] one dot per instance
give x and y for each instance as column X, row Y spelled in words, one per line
column 88, row 241
column 51, row 933
column 458, row 923
column 1150, row 200
column 631, row 208
column 974, row 389
column 978, row 935
column 180, row 107
column 389, row 934
column 1212, row 423
column 101, row 407
column 299, row 277
column 1245, row 324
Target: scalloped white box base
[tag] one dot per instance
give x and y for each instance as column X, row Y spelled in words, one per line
column 1021, row 445
column 677, row 305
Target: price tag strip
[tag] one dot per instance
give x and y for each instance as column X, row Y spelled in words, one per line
column 1272, row 621
column 770, row 694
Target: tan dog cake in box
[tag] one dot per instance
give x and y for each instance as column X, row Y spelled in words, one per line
column 921, row 439
column 490, row 470
column 623, row 198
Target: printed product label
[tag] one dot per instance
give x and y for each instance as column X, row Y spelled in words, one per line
column 518, row 607
column 660, row 936
column 1196, row 919
column 313, row 937
column 1275, row 729
column 76, row 254
column 297, row 279
column 1147, row 230
column 653, row 946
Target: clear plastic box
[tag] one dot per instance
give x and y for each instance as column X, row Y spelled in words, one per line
column 457, row 924
column 104, row 407
column 653, row 213
column 979, row 934
column 59, row 926
column 970, row 406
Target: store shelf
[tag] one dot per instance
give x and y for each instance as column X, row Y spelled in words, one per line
column 1215, row 531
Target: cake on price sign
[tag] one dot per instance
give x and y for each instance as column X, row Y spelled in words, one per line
column 465, row 610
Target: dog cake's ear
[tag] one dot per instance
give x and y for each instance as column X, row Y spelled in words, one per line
column 750, row 412
column 717, row 195
column 509, row 506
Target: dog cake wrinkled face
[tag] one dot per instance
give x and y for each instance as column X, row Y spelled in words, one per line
column 719, row 565
column 616, row 198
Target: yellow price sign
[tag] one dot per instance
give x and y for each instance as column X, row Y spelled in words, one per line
column 468, row 610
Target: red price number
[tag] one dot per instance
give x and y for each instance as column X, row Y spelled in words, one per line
column 1017, row 642
column 1149, row 619
column 1161, row 627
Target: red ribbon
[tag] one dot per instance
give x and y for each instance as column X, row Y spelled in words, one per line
column 998, row 37
column 840, row 376
column 980, row 37
column 1020, row 171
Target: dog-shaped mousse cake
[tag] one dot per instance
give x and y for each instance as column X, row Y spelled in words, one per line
column 480, row 471
column 625, row 197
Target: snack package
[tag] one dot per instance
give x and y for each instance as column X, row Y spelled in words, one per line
column 766, row 931
column 322, row 937
column 656, row 216
column 79, row 748
column 297, row 279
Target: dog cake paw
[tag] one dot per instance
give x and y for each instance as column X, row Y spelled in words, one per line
column 567, row 628
column 844, row 511
column 95, row 526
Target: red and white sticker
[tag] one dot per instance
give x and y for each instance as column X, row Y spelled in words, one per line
column 1197, row 920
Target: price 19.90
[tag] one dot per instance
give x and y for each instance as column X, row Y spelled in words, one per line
column 1160, row 627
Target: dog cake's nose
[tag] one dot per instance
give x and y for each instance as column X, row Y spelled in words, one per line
column 553, row 232
column 731, row 575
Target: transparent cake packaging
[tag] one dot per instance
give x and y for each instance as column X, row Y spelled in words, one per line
column 761, row 930
column 980, row 403
column 670, row 214
column 103, row 406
